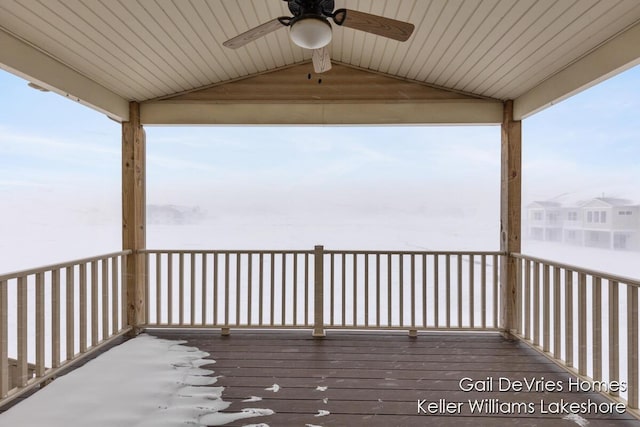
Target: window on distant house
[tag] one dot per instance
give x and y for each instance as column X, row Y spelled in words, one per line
column 537, row 216
column 589, row 216
column 603, row 217
column 573, row 216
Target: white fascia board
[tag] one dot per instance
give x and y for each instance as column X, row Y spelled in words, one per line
column 613, row 57
column 29, row 63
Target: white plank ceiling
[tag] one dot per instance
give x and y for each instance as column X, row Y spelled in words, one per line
column 145, row 49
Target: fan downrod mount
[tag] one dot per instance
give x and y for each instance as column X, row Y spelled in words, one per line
column 318, row 9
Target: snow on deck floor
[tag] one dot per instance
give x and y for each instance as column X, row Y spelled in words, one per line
column 146, row 381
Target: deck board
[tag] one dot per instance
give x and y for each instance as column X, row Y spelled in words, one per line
column 377, row 379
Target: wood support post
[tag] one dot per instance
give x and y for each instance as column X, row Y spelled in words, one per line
column 134, row 214
column 510, row 217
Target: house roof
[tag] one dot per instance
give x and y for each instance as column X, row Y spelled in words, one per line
column 608, row 201
column 544, row 204
column 481, row 52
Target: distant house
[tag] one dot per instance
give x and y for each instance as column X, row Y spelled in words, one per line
column 545, row 221
column 603, row 222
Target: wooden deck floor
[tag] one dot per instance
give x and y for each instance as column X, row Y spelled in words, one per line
column 377, row 379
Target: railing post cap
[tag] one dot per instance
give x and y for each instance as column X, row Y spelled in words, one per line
column 318, row 247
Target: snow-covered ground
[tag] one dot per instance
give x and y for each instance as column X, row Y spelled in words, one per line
column 144, row 382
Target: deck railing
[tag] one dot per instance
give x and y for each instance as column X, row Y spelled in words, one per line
column 54, row 315
column 322, row 289
column 586, row 320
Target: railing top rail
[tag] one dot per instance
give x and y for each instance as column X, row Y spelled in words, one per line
column 45, row 268
column 326, row 251
column 401, row 252
column 225, row 251
column 600, row 274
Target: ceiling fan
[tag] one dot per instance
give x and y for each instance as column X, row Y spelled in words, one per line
column 309, row 28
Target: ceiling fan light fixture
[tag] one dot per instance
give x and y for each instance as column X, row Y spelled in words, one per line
column 310, row 32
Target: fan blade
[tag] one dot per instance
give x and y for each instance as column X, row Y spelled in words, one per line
column 379, row 25
column 253, row 34
column 321, row 60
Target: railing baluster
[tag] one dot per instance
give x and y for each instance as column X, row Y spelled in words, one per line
column 250, row 290
column 527, row 299
column 355, row 289
column 158, row 307
column 284, row 289
column 4, row 339
column 378, row 290
column 114, row 297
column 389, row 290
column 55, row 318
column 181, row 289
column 519, row 295
column 536, row 304
column 192, row 292
column 238, row 288
column 70, row 308
column 226, row 291
column 40, row 332
column 366, row 290
column 214, row 309
column 401, row 293
column 568, row 306
column 203, row 281
column 557, row 330
column 273, row 290
column 344, row 289
column 447, row 267
column 483, row 289
column 496, row 307
column 261, row 288
column 582, row 324
column 83, row 308
column 632, row 345
column 123, row 291
column 147, row 289
column 94, row 303
column 306, row 290
column 295, row 289
column 169, row 290
column 436, row 287
column 459, row 292
column 332, row 297
column 546, row 301
column 614, row 340
column 22, row 372
column 413, row 291
column 596, row 333
column 425, row 299
column 471, row 292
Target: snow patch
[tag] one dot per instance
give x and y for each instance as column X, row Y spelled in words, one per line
column 321, row 388
column 144, row 382
column 222, row 418
column 576, row 419
column 253, row 399
column 274, row 388
column 322, row 413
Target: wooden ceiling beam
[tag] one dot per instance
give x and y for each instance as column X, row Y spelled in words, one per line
column 613, row 57
column 434, row 112
column 29, row 63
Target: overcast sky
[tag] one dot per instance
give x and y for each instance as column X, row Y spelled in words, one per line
column 60, row 161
